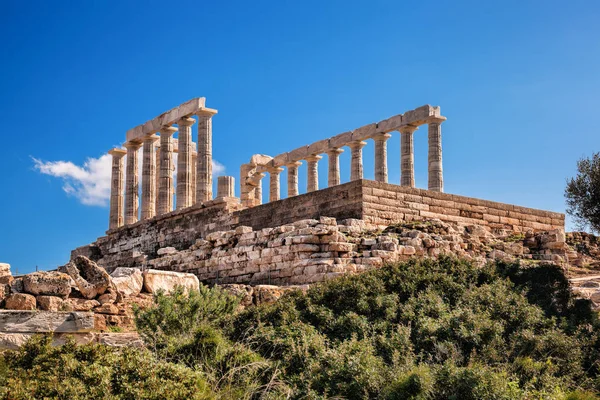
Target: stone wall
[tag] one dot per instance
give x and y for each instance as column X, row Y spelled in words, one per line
column 378, row 204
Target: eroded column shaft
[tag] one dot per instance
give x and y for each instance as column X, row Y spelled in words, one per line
column 381, row 169
column 436, row 177
column 149, row 177
column 204, row 168
column 132, row 184
column 274, row 183
column 293, row 178
column 333, row 176
column 116, row 218
column 407, row 157
column 225, row 186
column 313, row 173
column 184, row 163
column 165, row 187
column 356, row 167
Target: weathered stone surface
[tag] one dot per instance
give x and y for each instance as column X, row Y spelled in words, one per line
column 16, row 285
column 45, row 321
column 19, row 301
column 6, row 279
column 120, row 339
column 129, row 281
column 107, row 308
column 50, row 303
column 91, row 280
column 80, row 304
column 4, row 269
column 4, row 291
column 155, row 280
column 47, row 283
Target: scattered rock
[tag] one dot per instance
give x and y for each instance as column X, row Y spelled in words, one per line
column 50, row 303
column 4, row 269
column 167, row 281
column 91, row 280
column 47, row 283
column 16, row 286
column 45, row 321
column 107, row 308
column 20, row 301
column 129, row 281
column 166, row 250
column 4, row 291
column 81, row 304
column 108, row 297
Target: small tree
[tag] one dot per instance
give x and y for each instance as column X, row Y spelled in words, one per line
column 583, row 194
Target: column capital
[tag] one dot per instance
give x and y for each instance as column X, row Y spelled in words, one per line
column 168, row 130
column 357, row 144
column 151, row 138
column 313, row 157
column 132, row 145
column 335, row 151
column 274, row 170
column 383, row 136
column 117, row 153
column 206, row 112
column 294, row 164
column 186, row 121
column 407, row 128
column 435, row 120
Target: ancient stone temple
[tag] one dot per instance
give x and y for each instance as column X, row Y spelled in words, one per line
column 175, row 222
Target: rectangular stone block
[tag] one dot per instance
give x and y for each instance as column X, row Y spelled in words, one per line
column 45, row 321
column 390, row 124
column 364, row 132
column 340, row 140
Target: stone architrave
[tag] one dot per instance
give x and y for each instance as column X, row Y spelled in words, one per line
column 293, row 178
column 132, row 185
column 407, row 157
column 149, row 177
column 204, row 164
column 184, row 163
column 117, row 186
column 313, row 172
column 274, row 184
column 356, row 167
column 333, row 177
column 381, row 169
column 165, row 187
column 435, row 176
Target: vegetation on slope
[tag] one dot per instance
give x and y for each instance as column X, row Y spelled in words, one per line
column 423, row 329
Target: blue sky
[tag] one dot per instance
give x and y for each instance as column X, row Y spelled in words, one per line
column 517, row 80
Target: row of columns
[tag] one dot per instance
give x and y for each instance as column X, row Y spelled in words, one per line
column 435, row 171
column 194, row 172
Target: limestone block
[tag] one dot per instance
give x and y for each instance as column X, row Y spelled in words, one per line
column 340, row 140
column 298, row 154
column 129, row 281
column 19, row 301
column 318, row 147
column 91, row 280
column 80, row 304
column 4, row 291
column 364, row 132
column 13, row 341
column 4, row 269
column 155, row 280
column 45, row 321
column 107, row 308
column 390, row 124
column 47, row 283
column 16, row 286
column 260, row 159
column 50, row 303
column 129, row 339
column 166, row 251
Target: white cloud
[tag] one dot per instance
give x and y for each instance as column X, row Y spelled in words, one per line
column 90, row 183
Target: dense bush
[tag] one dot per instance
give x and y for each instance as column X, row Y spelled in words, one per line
column 423, row 329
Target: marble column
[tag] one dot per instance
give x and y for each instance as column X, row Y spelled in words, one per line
column 204, row 168
column 184, row 163
column 333, row 176
column 258, row 189
column 132, row 184
column 225, row 186
column 381, row 170
column 356, row 167
column 436, row 177
column 116, row 188
column 274, row 186
column 194, row 173
column 149, row 177
column 313, row 172
column 293, row 178
column 407, row 156
column 165, row 187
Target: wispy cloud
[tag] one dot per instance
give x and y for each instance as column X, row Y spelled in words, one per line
column 90, row 182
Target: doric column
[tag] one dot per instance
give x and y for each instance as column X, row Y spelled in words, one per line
column 204, row 168
column 313, row 172
column 407, row 156
column 381, row 170
column 149, row 177
column 116, row 188
column 258, row 189
column 225, row 186
column 293, row 178
column 184, row 163
column 333, row 176
column 356, row 168
column 274, row 189
column 132, row 185
column 436, row 177
column 194, row 173
column 165, row 187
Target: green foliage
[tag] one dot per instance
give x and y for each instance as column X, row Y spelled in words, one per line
column 424, row 329
column 583, row 193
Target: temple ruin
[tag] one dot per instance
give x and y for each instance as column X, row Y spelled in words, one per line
column 179, row 224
